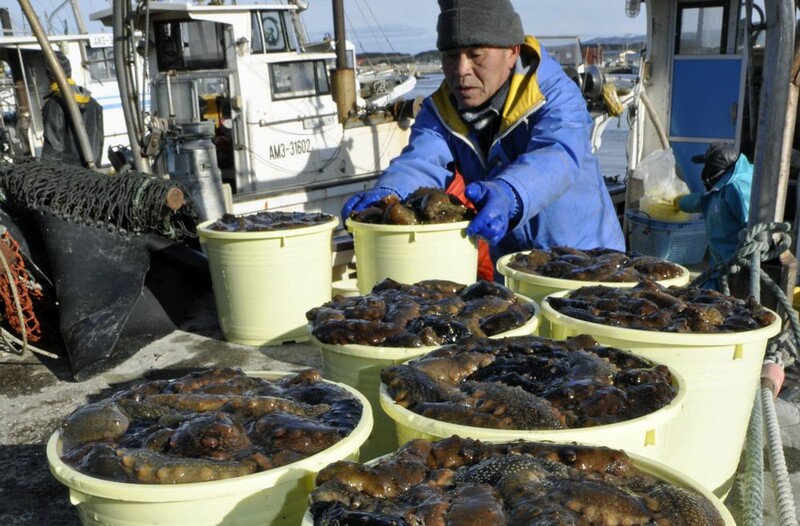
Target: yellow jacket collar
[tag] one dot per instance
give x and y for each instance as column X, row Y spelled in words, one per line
column 523, row 93
column 80, row 96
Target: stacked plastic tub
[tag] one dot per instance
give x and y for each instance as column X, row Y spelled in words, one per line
column 658, row 470
column 278, row 496
column 643, row 439
column 264, row 281
column 537, row 287
column 645, row 435
column 360, row 366
column 412, row 253
column 722, row 373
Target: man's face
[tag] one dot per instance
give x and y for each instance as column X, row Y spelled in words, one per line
column 474, row 74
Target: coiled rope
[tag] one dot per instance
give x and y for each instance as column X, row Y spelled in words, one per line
column 755, row 246
column 752, row 250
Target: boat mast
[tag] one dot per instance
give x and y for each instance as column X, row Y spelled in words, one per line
column 344, row 78
column 299, row 27
column 76, row 12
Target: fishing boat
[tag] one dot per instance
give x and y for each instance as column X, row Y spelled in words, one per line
column 280, row 132
column 622, row 76
column 27, row 85
column 379, row 88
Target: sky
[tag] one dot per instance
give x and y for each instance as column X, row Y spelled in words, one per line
column 402, row 26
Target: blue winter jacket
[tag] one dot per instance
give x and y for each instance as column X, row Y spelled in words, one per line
column 542, row 150
column 725, row 208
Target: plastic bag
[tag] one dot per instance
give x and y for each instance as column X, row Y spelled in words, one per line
column 657, row 172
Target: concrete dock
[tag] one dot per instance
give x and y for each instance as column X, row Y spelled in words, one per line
column 36, row 393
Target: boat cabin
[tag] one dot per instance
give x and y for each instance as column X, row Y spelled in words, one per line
column 238, row 78
column 25, row 87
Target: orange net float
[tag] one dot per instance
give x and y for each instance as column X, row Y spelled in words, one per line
column 27, row 324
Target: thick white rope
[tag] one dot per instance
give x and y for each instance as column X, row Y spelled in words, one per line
column 752, row 487
column 777, row 462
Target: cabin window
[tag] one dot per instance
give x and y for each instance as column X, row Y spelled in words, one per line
column 272, row 32
column 702, row 29
column 190, row 45
column 298, row 79
column 101, row 63
column 256, row 42
column 757, row 37
column 213, row 100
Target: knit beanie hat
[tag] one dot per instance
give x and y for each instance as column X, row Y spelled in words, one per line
column 467, row 23
column 65, row 65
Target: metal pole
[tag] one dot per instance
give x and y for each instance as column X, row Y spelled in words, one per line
column 788, row 134
column 775, row 90
column 76, row 11
column 297, row 22
column 339, row 34
column 119, row 13
column 344, row 78
column 20, row 89
column 61, row 80
column 24, row 97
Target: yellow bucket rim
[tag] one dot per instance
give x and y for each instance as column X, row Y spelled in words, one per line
column 155, row 493
column 404, row 353
column 205, row 233
column 664, row 338
column 560, row 283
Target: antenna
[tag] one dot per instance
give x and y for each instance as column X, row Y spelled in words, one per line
column 632, row 8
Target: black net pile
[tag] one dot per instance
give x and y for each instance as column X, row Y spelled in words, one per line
column 133, row 203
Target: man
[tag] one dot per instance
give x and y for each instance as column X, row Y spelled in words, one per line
column 727, row 177
column 516, row 128
column 60, row 138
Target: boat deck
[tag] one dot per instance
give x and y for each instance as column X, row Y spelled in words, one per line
column 35, row 393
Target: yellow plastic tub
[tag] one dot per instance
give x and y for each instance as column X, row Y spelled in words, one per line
column 645, row 435
column 360, row 366
column 277, row 497
column 722, row 372
column 345, row 287
column 412, row 253
column 663, row 210
column 265, row 281
column 536, row 287
column 653, row 468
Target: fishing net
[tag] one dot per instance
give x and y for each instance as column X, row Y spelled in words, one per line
column 131, row 203
column 19, row 291
column 95, row 238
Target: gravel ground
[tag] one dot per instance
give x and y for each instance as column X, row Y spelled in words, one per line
column 36, row 393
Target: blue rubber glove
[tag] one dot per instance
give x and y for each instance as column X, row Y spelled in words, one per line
column 363, row 200
column 676, row 204
column 497, row 205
